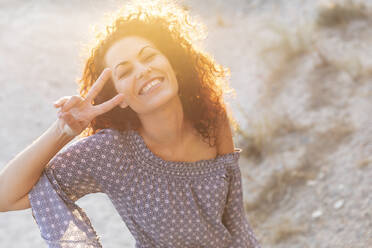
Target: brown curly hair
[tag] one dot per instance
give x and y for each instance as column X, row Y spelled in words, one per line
column 169, row 27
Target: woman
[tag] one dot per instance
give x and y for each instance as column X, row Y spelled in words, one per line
column 156, row 139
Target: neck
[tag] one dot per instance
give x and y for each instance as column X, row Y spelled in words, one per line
column 165, row 126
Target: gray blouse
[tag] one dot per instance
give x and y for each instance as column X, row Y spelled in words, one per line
column 163, row 203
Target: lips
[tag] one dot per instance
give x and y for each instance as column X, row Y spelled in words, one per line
column 147, row 82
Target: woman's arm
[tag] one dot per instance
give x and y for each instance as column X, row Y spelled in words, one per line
column 234, row 217
column 21, row 173
column 19, row 176
column 82, row 167
column 21, row 204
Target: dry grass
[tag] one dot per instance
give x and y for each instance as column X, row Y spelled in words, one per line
column 364, row 78
column 322, row 86
column 278, row 186
column 349, row 63
column 336, row 17
column 288, row 44
column 283, row 183
column 257, row 140
column 280, row 55
column 186, row 7
column 328, row 141
column 284, row 229
column 340, row 14
column 221, row 22
column 260, row 138
column 323, row 80
column 352, row 65
column 364, row 163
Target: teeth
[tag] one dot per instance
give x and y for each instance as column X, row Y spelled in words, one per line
column 149, row 86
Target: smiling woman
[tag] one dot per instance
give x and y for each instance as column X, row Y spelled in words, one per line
column 155, row 137
column 134, row 70
column 170, row 36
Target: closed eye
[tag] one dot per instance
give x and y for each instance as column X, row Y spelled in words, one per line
column 125, row 73
column 148, row 57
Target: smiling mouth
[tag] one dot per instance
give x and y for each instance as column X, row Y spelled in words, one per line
column 151, row 85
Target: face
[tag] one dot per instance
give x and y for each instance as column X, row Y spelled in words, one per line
column 135, row 62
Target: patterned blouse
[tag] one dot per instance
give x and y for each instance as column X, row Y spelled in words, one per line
column 173, row 204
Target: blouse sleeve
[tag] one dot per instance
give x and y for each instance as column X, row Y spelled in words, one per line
column 66, row 178
column 234, row 217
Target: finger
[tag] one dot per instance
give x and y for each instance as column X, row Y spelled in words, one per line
column 61, row 101
column 71, row 102
column 70, row 120
column 98, row 85
column 108, row 105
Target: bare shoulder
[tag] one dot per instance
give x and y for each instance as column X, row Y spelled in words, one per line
column 225, row 143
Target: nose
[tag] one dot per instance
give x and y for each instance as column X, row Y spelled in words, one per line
column 142, row 73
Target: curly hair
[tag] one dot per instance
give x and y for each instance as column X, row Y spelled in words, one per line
column 169, row 27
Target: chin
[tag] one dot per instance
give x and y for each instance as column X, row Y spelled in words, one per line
column 160, row 100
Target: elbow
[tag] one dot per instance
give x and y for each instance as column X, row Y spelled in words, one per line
column 3, row 208
column 21, row 204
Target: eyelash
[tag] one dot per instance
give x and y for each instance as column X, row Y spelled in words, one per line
column 146, row 59
column 150, row 56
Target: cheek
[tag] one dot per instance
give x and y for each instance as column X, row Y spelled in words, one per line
column 168, row 67
column 171, row 73
column 163, row 63
column 125, row 86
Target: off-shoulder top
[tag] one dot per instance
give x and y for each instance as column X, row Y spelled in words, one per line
column 163, row 203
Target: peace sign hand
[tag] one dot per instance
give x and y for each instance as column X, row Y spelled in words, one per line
column 76, row 112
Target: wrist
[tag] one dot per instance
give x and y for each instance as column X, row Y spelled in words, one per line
column 60, row 133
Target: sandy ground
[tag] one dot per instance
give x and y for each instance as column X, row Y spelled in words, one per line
column 288, row 204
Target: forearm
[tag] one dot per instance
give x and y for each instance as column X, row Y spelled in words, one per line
column 19, row 176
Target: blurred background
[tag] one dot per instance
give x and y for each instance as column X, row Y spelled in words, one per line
column 302, row 73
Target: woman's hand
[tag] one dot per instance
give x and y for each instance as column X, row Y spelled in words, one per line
column 76, row 112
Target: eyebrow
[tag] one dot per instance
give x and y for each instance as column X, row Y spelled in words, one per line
column 125, row 62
